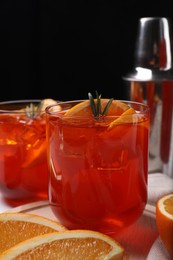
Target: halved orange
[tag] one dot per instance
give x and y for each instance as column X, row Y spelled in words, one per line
column 17, row 227
column 164, row 220
column 74, row 244
column 84, row 108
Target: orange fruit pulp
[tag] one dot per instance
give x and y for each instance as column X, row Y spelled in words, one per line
column 164, row 220
column 84, row 108
column 76, row 244
column 17, row 227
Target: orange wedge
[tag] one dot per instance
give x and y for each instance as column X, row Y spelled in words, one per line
column 164, row 220
column 17, row 227
column 84, row 108
column 47, row 102
column 74, row 244
column 126, row 117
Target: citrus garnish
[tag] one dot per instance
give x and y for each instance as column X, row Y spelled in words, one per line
column 47, row 102
column 36, row 153
column 73, row 244
column 32, row 110
column 164, row 220
column 126, row 117
column 98, row 107
column 17, row 227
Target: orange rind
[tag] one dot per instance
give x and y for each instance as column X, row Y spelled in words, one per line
column 164, row 220
column 72, row 244
column 16, row 227
column 84, row 108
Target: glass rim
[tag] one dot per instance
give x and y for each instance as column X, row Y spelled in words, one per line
column 16, row 102
column 19, row 101
column 59, row 112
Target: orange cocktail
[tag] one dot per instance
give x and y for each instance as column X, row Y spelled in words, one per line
column 98, row 165
column 23, row 155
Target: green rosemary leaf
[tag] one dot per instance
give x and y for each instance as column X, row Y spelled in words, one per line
column 92, row 104
column 105, row 111
column 32, row 111
column 96, row 108
column 39, row 107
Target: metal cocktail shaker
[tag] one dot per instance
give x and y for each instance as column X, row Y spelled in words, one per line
column 151, row 82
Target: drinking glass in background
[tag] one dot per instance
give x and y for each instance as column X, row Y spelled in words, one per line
column 23, row 151
column 151, row 82
column 98, row 173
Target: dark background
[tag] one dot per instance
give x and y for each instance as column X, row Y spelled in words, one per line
column 63, row 49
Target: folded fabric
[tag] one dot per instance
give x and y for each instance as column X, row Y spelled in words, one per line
column 159, row 184
column 158, row 251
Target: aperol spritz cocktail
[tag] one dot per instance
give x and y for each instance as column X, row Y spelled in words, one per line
column 23, row 151
column 98, row 165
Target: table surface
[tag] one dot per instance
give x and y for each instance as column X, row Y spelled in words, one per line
column 144, row 229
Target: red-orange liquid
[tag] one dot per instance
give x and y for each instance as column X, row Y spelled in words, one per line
column 23, row 159
column 98, row 178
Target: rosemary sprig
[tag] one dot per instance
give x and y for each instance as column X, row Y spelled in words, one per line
column 96, row 107
column 32, row 111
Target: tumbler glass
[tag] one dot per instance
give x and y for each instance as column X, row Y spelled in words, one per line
column 98, row 170
column 23, row 152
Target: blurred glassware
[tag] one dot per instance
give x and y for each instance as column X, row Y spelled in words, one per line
column 23, row 152
column 151, row 82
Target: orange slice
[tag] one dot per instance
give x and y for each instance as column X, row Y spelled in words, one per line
column 17, row 227
column 126, row 117
column 84, row 108
column 164, row 220
column 47, row 102
column 74, row 244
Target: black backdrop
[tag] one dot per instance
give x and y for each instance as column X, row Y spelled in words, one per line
column 63, row 49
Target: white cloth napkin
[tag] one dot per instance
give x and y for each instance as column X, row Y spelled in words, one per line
column 159, row 184
column 158, row 251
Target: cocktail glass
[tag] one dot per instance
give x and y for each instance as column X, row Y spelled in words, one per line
column 23, row 155
column 98, row 169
